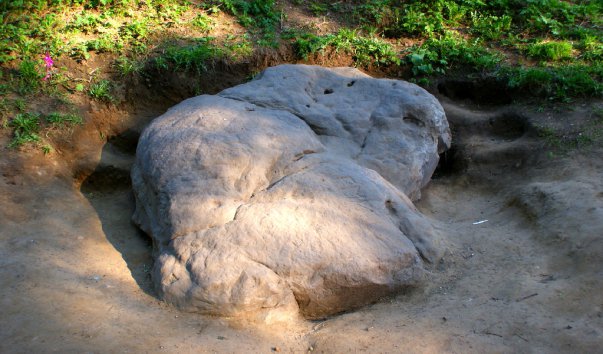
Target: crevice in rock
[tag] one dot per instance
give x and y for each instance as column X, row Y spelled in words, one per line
column 484, row 91
column 389, row 205
column 452, row 162
column 509, row 125
column 409, row 118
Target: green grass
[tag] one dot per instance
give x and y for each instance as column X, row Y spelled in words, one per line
column 203, row 22
column 551, row 51
column 261, row 14
column 364, row 50
column 101, row 91
column 26, row 127
column 193, row 57
column 63, row 119
column 29, row 76
column 128, row 66
column 558, row 82
column 438, row 55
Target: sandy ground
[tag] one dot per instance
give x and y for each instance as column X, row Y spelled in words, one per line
column 74, row 272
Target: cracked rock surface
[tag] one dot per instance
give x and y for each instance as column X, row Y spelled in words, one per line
column 291, row 193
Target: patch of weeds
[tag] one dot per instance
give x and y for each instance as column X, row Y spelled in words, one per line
column 557, row 83
column 437, row 56
column 101, row 90
column 26, row 127
column 555, row 16
column 170, row 10
column 364, row 50
column 20, row 104
column 261, row 14
column 79, row 52
column 192, row 57
column 203, row 22
column 138, row 30
column 318, row 8
column 490, row 27
column 592, row 49
column 553, row 50
column 29, row 76
column 63, row 119
column 105, row 43
column 239, row 48
column 85, row 22
column 127, row 66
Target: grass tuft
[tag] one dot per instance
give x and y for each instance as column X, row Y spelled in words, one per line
column 26, row 127
column 101, row 90
column 551, row 51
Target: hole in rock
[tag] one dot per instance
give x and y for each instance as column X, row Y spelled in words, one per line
column 389, row 205
column 488, row 92
column 509, row 126
column 126, row 142
column 351, row 83
column 329, row 91
column 414, row 120
column 106, row 178
column 452, row 162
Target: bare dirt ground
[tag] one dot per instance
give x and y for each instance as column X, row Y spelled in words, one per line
column 74, row 272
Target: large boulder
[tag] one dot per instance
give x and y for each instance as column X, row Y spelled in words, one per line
column 290, row 193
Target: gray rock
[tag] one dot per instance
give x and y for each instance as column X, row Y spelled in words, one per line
column 290, row 193
column 393, row 127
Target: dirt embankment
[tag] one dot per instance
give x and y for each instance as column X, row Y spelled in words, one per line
column 523, row 272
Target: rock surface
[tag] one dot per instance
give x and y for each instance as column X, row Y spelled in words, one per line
column 290, row 193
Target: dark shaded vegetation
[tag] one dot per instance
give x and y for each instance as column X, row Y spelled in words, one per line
column 536, row 48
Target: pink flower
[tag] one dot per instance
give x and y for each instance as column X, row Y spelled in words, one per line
column 48, row 60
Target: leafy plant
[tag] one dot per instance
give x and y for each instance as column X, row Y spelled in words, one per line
column 439, row 55
column 104, row 43
column 203, row 22
column 85, row 22
column 79, row 52
column 259, row 13
column 318, row 8
column 101, row 90
column 490, row 27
